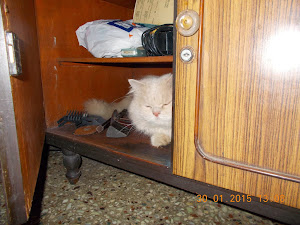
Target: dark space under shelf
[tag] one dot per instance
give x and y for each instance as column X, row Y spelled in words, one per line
column 125, row 3
column 135, row 146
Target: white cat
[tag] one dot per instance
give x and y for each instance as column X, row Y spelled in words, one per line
column 149, row 104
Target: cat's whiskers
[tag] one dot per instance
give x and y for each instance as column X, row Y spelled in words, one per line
column 125, row 96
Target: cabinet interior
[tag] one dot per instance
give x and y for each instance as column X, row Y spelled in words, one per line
column 71, row 75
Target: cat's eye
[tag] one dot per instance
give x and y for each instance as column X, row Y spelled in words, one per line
column 148, row 106
column 167, row 103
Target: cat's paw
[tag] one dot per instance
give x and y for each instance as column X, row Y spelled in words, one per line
column 158, row 140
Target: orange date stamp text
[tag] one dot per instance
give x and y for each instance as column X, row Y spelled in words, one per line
column 242, row 198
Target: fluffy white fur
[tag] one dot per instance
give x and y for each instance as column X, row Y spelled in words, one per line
column 104, row 109
column 149, row 105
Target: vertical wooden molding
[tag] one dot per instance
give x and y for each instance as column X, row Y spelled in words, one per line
column 185, row 93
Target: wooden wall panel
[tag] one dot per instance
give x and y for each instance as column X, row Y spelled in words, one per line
column 67, row 86
column 57, row 22
column 74, row 84
column 19, row 17
column 248, row 100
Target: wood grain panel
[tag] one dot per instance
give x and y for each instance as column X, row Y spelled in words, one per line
column 248, row 100
column 185, row 98
column 19, row 17
column 249, row 107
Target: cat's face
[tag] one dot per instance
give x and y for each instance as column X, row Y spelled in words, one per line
column 152, row 98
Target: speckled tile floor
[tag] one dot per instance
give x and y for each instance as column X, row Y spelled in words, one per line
column 3, row 218
column 106, row 195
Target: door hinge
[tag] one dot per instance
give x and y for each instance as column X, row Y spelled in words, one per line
column 13, row 53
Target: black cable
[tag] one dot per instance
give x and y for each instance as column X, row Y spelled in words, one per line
column 158, row 41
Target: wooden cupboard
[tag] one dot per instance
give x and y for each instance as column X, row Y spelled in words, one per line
column 236, row 102
column 243, row 130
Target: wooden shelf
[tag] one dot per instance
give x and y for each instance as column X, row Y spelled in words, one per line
column 125, row 60
column 135, row 146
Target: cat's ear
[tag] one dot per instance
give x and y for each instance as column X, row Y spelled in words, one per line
column 169, row 79
column 135, row 84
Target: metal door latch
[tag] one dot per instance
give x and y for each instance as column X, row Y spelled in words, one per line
column 13, row 54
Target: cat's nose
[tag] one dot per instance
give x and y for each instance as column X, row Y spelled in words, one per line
column 156, row 113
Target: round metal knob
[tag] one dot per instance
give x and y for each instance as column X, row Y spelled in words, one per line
column 187, row 54
column 187, row 22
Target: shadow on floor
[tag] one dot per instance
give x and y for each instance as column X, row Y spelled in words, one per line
column 36, row 209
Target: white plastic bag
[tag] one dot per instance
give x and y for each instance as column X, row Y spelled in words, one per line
column 106, row 38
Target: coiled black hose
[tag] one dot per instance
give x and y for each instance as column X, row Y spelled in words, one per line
column 158, row 41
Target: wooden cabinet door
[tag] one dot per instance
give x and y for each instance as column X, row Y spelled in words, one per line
column 237, row 104
column 22, row 125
